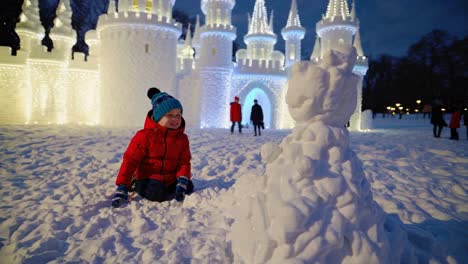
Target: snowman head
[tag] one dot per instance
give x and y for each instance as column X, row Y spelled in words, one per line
column 325, row 91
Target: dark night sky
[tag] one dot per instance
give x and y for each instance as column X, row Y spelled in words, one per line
column 387, row 26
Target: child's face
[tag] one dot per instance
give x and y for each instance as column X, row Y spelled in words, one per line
column 171, row 119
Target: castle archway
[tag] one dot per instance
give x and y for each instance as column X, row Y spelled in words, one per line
column 263, row 100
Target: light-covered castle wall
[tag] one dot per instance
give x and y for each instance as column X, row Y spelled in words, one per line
column 215, row 74
column 49, row 87
column 15, row 95
column 189, row 94
column 83, row 93
column 49, row 82
column 215, row 85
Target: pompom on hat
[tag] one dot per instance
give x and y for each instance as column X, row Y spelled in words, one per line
column 152, row 91
column 163, row 103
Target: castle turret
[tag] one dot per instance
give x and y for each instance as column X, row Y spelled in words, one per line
column 337, row 26
column 260, row 39
column 138, row 51
column 259, row 72
column 293, row 33
column 360, row 69
column 216, row 38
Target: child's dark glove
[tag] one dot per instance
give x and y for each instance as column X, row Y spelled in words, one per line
column 121, row 195
column 181, row 188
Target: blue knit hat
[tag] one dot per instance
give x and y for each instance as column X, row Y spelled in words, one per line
column 163, row 103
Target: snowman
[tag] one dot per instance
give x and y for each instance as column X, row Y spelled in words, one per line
column 314, row 205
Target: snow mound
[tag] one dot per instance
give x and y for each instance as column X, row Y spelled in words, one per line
column 314, row 204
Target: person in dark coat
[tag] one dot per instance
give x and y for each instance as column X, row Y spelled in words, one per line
column 256, row 117
column 236, row 114
column 437, row 118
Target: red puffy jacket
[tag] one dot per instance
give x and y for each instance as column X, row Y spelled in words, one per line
column 236, row 113
column 158, row 153
column 455, row 120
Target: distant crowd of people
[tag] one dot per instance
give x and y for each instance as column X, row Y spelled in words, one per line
column 438, row 121
column 436, row 111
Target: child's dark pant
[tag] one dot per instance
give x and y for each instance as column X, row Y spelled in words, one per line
column 155, row 190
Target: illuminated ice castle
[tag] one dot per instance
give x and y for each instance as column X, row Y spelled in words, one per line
column 139, row 47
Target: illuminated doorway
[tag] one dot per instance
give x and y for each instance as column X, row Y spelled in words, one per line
column 263, row 101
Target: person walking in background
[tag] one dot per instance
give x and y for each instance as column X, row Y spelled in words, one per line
column 158, row 156
column 236, row 115
column 256, row 117
column 454, row 123
column 427, row 109
column 437, row 118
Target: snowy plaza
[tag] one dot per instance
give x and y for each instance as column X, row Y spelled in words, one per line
column 57, row 184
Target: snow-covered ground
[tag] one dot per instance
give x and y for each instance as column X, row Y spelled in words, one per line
column 56, row 186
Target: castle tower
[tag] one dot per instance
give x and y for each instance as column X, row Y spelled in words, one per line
column 260, row 72
column 138, row 51
column 337, row 27
column 260, row 39
column 216, row 38
column 360, row 69
column 293, row 33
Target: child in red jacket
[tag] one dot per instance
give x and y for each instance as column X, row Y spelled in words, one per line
column 158, row 156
